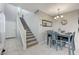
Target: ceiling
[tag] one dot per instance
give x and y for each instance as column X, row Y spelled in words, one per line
column 49, row 8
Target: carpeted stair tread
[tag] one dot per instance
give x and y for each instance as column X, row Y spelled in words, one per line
column 31, row 40
column 29, row 34
column 29, row 37
column 32, row 45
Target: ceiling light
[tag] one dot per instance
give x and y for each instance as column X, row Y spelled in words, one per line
column 62, row 16
column 55, row 18
column 58, row 15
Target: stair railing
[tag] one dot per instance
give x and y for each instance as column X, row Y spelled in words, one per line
column 22, row 32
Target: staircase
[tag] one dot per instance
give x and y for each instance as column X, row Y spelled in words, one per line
column 30, row 38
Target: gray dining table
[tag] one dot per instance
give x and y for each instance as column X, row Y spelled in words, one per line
column 68, row 36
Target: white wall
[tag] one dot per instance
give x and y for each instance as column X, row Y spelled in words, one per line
column 10, row 29
column 2, row 5
column 43, row 30
column 2, row 27
column 11, row 25
column 72, row 21
column 11, row 14
column 2, row 18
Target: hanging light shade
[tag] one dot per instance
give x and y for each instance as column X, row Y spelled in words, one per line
column 58, row 15
column 62, row 16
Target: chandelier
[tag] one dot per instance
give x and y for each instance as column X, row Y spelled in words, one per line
column 59, row 15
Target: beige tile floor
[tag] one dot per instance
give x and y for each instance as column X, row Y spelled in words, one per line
column 13, row 47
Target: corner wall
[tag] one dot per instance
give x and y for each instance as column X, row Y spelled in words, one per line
column 10, row 14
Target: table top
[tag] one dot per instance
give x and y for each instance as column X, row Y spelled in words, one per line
column 65, row 34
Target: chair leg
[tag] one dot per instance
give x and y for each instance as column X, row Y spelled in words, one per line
column 56, row 45
column 69, row 51
column 50, row 43
column 47, row 40
column 73, row 49
column 61, row 44
column 73, row 52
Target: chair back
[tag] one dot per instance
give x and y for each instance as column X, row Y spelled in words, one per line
column 73, row 35
column 49, row 32
column 73, row 42
column 54, row 35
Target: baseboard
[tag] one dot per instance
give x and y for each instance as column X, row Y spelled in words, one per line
column 10, row 37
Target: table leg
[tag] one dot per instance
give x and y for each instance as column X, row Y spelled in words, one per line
column 47, row 40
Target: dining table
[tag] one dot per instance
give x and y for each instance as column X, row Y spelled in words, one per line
column 66, row 37
column 63, row 37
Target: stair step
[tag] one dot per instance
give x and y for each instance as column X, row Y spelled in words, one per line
column 27, row 29
column 30, row 45
column 27, row 26
column 28, row 41
column 31, row 42
column 28, row 32
column 29, row 37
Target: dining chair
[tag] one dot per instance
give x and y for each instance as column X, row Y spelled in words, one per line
column 70, row 42
column 59, row 42
column 53, row 41
column 49, row 36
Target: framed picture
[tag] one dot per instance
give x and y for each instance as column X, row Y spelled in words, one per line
column 46, row 23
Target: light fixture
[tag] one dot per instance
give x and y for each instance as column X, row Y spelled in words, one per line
column 59, row 15
column 36, row 11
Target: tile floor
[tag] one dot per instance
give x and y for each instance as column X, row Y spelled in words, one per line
column 13, row 47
